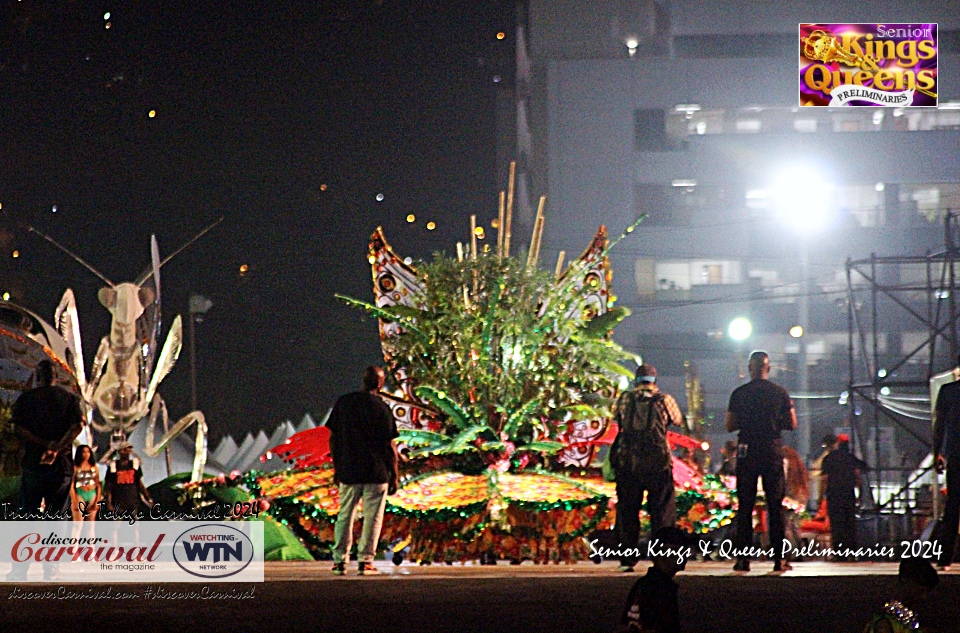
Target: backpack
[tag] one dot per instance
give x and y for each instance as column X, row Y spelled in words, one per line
column 640, row 449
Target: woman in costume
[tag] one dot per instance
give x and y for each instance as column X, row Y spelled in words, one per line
column 85, row 485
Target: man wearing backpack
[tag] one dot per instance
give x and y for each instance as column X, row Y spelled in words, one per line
column 642, row 460
column 759, row 410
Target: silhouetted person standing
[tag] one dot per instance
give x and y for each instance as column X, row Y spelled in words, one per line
column 46, row 419
column 759, row 410
column 641, row 456
column 841, row 479
column 946, row 454
column 362, row 429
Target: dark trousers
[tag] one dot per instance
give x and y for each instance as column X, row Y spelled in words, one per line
column 764, row 462
column 51, row 487
column 661, row 508
column 951, row 514
column 843, row 525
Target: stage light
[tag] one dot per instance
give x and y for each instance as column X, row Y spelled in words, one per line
column 431, row 226
column 796, row 331
column 152, row 113
column 6, row 296
column 16, row 254
column 501, row 35
column 881, row 373
column 802, row 197
column 411, row 218
column 740, row 329
column 885, row 391
column 379, row 197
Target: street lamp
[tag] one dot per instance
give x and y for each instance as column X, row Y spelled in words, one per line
column 198, row 307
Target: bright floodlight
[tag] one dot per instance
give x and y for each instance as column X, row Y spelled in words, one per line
column 740, row 329
column 796, row 331
column 802, row 197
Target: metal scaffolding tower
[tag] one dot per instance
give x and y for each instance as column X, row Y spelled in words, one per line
column 889, row 380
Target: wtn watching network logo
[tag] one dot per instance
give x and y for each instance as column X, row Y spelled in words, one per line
column 213, row 551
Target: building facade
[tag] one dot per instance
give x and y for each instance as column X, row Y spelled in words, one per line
column 688, row 111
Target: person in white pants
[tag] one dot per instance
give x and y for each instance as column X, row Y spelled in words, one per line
column 362, row 429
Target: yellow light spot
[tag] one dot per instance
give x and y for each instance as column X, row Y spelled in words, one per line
column 6, row 296
column 501, row 35
column 323, row 187
column 16, row 254
column 243, row 269
column 372, row 259
column 152, row 113
column 431, row 226
column 411, row 218
column 495, row 223
column 478, row 231
column 107, row 25
column 796, row 331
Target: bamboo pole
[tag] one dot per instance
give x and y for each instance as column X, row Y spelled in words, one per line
column 534, row 256
column 510, row 186
column 500, row 227
column 560, row 264
column 473, row 237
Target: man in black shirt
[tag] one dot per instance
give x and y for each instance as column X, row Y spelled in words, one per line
column 946, row 456
column 124, row 485
column 362, row 429
column 46, row 419
column 759, row 410
column 841, row 479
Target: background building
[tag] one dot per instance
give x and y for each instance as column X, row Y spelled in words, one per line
column 688, row 111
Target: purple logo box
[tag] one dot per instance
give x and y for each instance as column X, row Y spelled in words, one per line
column 872, row 65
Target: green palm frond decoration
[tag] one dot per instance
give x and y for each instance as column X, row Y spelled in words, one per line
column 505, row 352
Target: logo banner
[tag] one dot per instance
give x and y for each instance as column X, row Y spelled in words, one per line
column 142, row 552
column 868, row 65
column 843, row 95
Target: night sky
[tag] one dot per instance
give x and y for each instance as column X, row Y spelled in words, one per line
column 286, row 118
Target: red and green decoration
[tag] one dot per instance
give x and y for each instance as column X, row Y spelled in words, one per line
column 450, row 516
column 504, row 378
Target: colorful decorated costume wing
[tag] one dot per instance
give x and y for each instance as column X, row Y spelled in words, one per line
column 395, row 283
column 593, row 283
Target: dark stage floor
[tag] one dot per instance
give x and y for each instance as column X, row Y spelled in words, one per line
column 814, row 597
